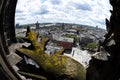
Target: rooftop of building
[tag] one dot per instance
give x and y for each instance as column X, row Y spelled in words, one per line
column 65, row 39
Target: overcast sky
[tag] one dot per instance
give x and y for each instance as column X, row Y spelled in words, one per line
column 87, row 12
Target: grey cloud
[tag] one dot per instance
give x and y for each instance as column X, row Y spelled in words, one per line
column 20, row 14
column 19, row 11
column 42, row 11
column 43, row 1
column 20, row 18
column 55, row 2
column 83, row 6
column 102, row 22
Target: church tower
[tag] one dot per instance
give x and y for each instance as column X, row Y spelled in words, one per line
column 37, row 25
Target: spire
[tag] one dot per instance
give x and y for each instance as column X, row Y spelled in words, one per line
column 37, row 25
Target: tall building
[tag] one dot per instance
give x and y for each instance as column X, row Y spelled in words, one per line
column 37, row 25
column 17, row 25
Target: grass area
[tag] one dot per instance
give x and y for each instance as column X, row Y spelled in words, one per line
column 92, row 45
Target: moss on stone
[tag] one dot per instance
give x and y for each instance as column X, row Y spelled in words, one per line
column 56, row 65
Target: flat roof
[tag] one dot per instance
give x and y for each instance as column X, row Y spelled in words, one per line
column 65, row 39
column 72, row 30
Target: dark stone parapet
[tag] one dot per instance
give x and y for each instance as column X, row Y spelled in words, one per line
column 109, row 69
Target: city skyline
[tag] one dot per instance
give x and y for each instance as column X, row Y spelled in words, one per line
column 87, row 12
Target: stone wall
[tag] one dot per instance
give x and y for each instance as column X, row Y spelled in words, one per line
column 108, row 69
